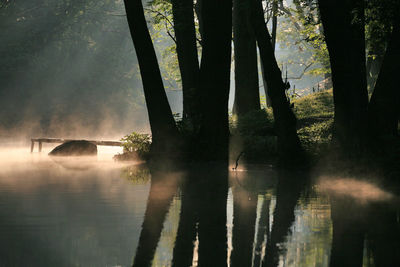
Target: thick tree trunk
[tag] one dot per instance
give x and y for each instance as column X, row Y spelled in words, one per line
column 162, row 123
column 214, row 79
column 384, row 107
column 345, row 39
column 186, row 48
column 284, row 119
column 247, row 97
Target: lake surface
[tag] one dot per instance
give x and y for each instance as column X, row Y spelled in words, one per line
column 96, row 212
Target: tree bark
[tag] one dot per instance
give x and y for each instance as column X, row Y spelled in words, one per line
column 162, row 123
column 247, row 97
column 284, row 120
column 345, row 39
column 186, row 48
column 383, row 109
column 214, row 79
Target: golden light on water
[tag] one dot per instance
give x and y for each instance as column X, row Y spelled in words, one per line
column 359, row 190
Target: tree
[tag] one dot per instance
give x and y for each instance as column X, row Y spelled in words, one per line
column 345, row 39
column 213, row 138
column 383, row 109
column 186, row 48
column 284, row 120
column 162, row 123
column 247, row 95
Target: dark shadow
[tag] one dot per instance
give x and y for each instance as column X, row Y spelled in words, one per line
column 348, row 232
column 383, row 236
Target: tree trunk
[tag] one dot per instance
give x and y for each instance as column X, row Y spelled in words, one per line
column 247, row 97
column 284, row 119
column 186, row 48
column 345, row 39
column 274, row 23
column 214, row 79
column 384, row 106
column 162, row 123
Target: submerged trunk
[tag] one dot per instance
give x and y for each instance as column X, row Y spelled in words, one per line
column 345, row 39
column 247, row 97
column 162, row 123
column 383, row 113
column 214, row 79
column 285, row 121
column 187, row 55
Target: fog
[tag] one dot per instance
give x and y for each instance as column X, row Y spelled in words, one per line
column 69, row 70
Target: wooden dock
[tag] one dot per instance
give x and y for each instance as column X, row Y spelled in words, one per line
column 60, row 140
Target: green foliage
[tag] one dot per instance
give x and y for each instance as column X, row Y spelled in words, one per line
column 137, row 143
column 379, row 17
column 300, row 31
column 316, row 137
column 159, row 13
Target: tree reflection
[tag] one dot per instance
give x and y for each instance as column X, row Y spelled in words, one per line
column 202, row 236
column 358, row 222
column 244, row 218
column 162, row 190
column 289, row 188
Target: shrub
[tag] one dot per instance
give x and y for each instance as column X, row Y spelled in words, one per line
column 137, row 143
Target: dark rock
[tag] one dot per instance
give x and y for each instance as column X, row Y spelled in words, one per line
column 75, row 148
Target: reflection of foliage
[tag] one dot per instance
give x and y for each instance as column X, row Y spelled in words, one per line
column 311, row 233
column 136, row 175
column 137, row 143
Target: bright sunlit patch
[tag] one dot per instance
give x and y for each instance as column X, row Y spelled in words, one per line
column 348, row 187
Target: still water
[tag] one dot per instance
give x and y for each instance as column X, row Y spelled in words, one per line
column 96, row 212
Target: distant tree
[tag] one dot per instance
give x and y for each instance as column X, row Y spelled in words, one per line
column 162, row 123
